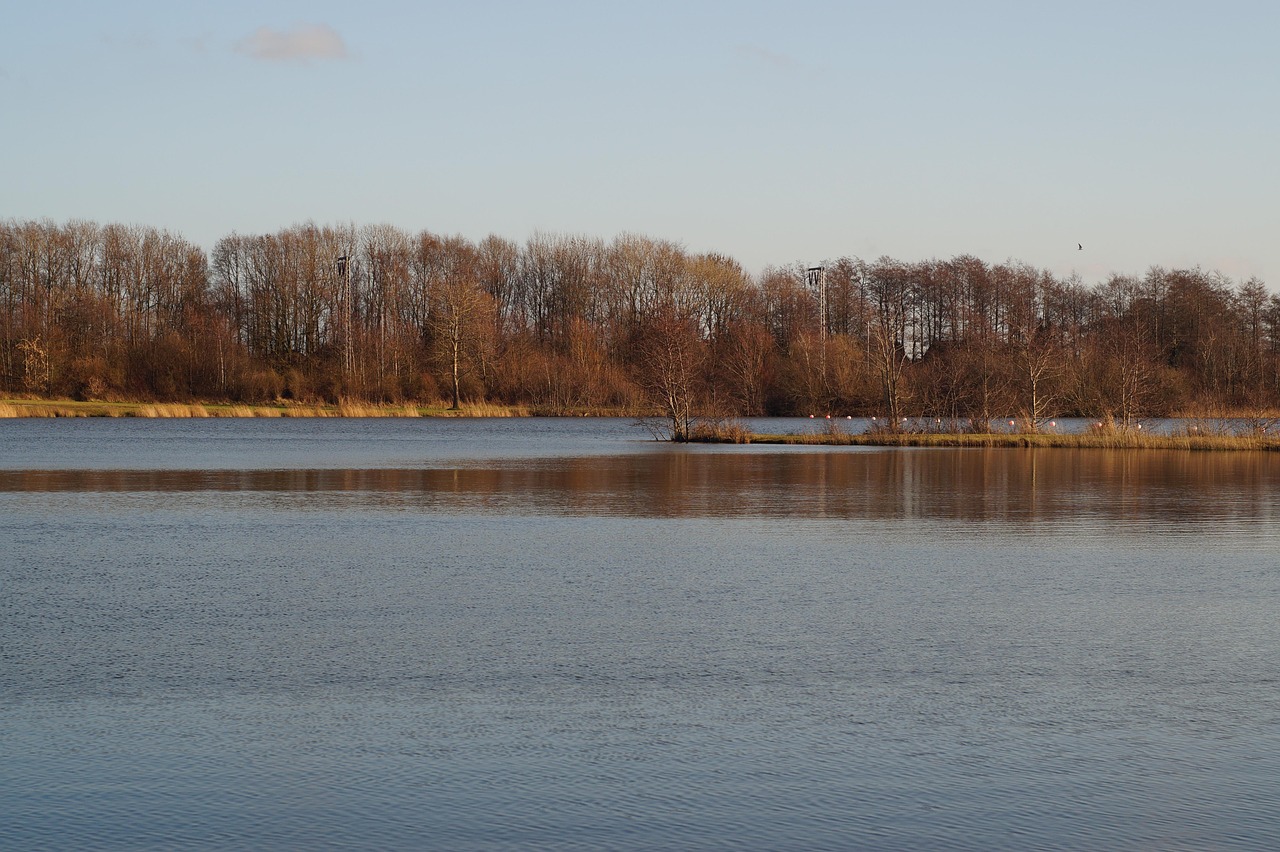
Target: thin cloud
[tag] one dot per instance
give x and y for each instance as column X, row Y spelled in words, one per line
column 198, row 44
column 301, row 44
column 133, row 42
column 765, row 56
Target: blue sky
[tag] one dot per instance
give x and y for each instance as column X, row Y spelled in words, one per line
column 772, row 132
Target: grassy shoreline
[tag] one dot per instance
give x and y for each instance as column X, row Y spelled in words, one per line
column 11, row 408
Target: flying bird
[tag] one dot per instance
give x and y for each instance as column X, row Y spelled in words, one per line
column 1079, row 247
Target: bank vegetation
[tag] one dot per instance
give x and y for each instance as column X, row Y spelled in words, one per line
column 1234, row 435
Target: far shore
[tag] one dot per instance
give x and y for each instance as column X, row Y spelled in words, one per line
column 1192, row 437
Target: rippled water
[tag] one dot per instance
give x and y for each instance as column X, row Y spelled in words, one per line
column 558, row 634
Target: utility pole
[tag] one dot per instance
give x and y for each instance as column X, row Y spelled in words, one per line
column 348, row 310
column 816, row 278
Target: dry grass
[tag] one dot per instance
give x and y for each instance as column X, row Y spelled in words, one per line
column 489, row 409
column 720, row 432
column 544, row 410
column 101, row 408
column 10, row 408
column 47, row 408
column 171, row 409
column 307, row 411
column 352, row 408
column 442, row 408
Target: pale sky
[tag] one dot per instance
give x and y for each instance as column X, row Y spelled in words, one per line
column 773, row 132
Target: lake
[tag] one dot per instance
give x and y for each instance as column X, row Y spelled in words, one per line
column 561, row 634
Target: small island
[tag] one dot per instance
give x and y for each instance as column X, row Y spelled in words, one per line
column 1240, row 434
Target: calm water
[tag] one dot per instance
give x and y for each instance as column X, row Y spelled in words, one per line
column 524, row 634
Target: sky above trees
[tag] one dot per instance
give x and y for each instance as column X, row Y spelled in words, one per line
column 771, row 132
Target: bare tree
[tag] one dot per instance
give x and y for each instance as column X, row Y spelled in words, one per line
column 889, row 285
column 672, row 355
column 459, row 322
column 1037, row 356
column 743, row 354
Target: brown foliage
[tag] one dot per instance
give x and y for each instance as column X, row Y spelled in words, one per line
column 319, row 314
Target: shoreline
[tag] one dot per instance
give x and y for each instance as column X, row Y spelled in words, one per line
column 1110, row 438
column 51, row 408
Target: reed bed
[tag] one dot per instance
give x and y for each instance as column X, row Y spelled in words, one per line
column 43, row 408
column 716, row 432
column 233, row 411
column 364, row 409
column 166, row 410
column 171, row 410
column 547, row 410
column 297, row 410
column 1120, row 440
column 352, row 408
column 479, row 409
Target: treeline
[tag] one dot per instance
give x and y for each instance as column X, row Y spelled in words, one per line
column 569, row 323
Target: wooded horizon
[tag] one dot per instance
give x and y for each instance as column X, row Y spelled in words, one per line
column 575, row 324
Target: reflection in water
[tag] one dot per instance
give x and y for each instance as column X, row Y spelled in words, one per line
column 731, row 647
column 1011, row 485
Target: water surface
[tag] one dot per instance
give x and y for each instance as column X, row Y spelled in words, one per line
column 560, row 634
